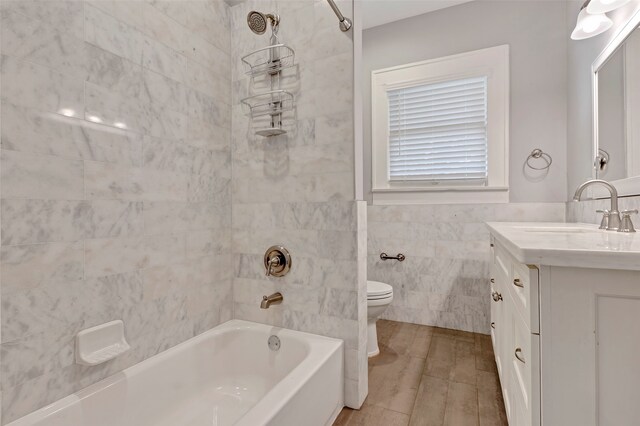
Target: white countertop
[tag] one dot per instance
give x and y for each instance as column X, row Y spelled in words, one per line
column 568, row 244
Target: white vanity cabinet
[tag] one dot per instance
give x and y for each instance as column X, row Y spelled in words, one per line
column 515, row 335
column 565, row 325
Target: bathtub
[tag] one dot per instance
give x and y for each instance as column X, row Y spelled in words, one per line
column 226, row 376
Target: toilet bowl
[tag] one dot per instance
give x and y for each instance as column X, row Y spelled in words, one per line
column 379, row 296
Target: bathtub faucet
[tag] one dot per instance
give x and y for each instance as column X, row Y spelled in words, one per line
column 274, row 299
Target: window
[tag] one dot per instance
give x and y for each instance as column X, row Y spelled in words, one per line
column 440, row 129
column 438, row 132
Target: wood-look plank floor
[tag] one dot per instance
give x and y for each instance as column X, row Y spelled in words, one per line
column 429, row 376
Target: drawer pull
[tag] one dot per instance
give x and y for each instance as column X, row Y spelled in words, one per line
column 492, row 280
column 517, row 283
column 519, row 356
column 496, row 296
column 493, row 325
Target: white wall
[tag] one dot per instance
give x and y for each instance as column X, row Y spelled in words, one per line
column 444, row 281
column 537, row 34
column 581, row 55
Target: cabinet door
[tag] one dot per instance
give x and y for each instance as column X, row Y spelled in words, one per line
column 498, row 323
column 522, row 361
column 590, row 341
column 515, row 287
column 500, row 313
column 502, row 351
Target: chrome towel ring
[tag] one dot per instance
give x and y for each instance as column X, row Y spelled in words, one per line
column 539, row 154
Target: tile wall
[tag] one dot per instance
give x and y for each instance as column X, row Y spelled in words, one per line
column 444, row 280
column 116, row 183
column 585, row 211
column 116, row 202
column 297, row 190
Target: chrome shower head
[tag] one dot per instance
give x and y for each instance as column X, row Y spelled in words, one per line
column 257, row 21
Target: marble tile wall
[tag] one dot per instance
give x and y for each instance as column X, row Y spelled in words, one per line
column 444, row 280
column 585, row 211
column 298, row 189
column 116, row 183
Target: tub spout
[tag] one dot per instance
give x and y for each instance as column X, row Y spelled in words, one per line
column 274, row 299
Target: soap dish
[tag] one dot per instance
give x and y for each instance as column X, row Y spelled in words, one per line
column 100, row 344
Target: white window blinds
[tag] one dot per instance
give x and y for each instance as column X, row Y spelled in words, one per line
column 438, row 132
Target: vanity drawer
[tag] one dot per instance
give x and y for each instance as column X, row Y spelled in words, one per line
column 523, row 287
column 501, row 264
column 524, row 373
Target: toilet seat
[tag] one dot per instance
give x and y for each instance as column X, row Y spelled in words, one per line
column 377, row 290
column 384, row 302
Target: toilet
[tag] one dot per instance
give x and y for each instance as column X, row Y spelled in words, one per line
column 379, row 296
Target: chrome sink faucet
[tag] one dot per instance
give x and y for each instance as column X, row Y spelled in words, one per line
column 613, row 223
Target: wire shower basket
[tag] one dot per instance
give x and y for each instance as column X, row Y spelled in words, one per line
column 274, row 102
column 269, row 60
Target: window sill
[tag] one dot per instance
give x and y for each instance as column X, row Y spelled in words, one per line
column 441, row 195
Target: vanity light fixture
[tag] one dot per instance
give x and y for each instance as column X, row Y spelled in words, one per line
column 590, row 25
column 604, row 6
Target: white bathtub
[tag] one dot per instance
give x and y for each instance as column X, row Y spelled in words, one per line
column 226, row 376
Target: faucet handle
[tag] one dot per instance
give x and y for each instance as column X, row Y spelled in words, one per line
column 272, row 262
column 626, row 224
column 277, row 261
column 605, row 218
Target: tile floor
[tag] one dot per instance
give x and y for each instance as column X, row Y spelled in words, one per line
column 429, row 376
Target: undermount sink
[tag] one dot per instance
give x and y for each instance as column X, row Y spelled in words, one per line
column 557, row 229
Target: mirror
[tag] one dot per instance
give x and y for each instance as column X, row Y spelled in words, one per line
column 616, row 106
column 618, row 102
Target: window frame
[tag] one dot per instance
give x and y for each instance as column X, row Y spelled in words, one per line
column 493, row 63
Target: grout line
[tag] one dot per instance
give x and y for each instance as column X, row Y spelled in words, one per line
column 478, row 399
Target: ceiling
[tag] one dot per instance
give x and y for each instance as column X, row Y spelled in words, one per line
column 379, row 12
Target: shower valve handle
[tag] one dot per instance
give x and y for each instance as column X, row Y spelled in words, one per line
column 274, row 261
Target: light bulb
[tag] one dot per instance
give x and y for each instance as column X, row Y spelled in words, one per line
column 590, row 25
column 604, row 6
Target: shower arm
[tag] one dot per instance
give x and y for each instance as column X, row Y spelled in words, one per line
column 345, row 23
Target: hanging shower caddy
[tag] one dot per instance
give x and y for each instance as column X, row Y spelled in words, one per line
column 267, row 108
column 269, row 60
